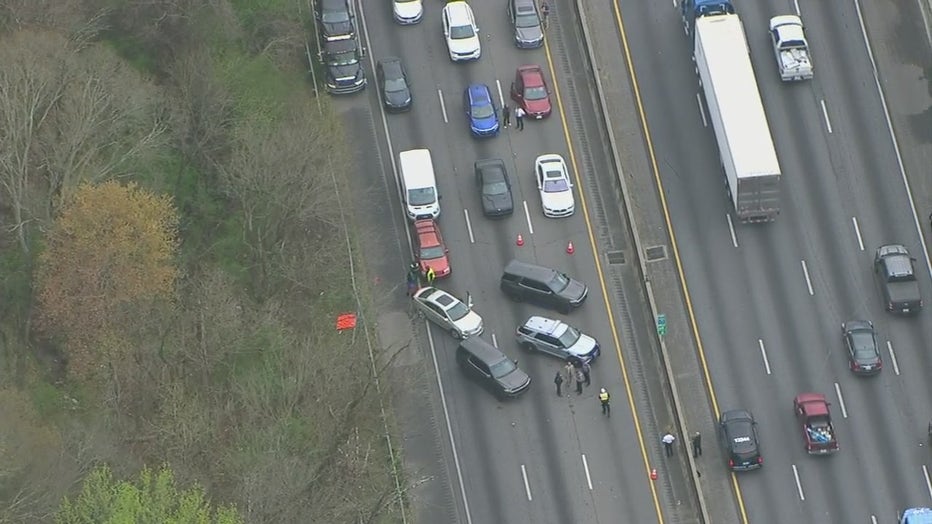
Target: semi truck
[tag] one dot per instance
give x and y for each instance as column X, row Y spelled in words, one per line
column 746, row 149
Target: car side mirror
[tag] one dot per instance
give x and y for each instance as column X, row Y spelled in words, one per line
column 515, row 361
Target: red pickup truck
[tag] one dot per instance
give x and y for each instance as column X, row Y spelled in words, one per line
column 816, row 420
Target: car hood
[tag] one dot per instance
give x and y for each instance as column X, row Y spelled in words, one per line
column 408, row 10
column 576, row 290
column 529, row 34
column 493, row 203
column 343, row 72
column 515, row 380
column 583, row 346
column 464, row 45
column 332, row 29
column 537, row 106
column 562, row 200
column 471, row 323
column 398, row 98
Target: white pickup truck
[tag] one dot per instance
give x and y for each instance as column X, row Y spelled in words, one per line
column 791, row 48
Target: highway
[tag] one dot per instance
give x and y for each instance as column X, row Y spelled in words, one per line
column 769, row 299
column 539, row 458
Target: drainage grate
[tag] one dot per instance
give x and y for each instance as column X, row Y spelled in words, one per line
column 615, row 257
column 655, row 253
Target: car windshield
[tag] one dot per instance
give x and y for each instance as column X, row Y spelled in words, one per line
column 535, row 93
column 421, row 196
column 569, row 337
column 335, row 17
column 495, row 188
column 458, row 311
column 459, row 32
column 395, row 85
column 527, row 20
column 345, row 58
column 559, row 282
column 555, row 185
column 483, row 110
column 863, row 343
column 432, row 252
column 502, row 368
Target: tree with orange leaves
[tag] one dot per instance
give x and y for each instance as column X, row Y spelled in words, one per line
column 109, row 256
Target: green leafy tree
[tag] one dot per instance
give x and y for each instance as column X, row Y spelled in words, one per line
column 153, row 499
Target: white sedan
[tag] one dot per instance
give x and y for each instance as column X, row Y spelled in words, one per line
column 448, row 312
column 553, row 182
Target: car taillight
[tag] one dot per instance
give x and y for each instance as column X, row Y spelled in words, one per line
column 855, row 365
column 731, row 463
column 760, row 460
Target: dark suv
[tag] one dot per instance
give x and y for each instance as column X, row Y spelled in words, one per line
column 493, row 369
column 738, row 432
column 335, row 20
column 544, row 286
column 344, row 71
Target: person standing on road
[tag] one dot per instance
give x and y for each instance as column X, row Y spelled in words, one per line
column 585, row 371
column 668, row 439
column 558, row 380
column 579, row 380
column 568, row 375
column 697, row 445
column 431, row 276
column 519, row 118
column 544, row 12
column 412, row 283
column 506, row 115
column 604, row 399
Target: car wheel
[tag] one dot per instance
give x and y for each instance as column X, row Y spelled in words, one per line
column 455, row 334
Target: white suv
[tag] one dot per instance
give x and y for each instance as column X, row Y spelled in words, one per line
column 459, row 28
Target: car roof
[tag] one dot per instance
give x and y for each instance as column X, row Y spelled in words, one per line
column 545, row 325
column 527, row 270
column 437, row 296
column 482, row 350
column 458, row 12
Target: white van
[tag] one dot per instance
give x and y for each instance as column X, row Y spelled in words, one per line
column 418, row 184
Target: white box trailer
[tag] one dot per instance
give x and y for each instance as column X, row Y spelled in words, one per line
column 737, row 114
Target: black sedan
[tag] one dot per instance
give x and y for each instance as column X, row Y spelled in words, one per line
column 494, row 188
column 393, row 84
column 738, row 434
column 861, row 343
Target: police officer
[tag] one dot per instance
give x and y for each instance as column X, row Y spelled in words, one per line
column 604, row 398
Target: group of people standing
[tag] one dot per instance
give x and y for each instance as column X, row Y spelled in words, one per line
column 414, row 277
column 577, row 371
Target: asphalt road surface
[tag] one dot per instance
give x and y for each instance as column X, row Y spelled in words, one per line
column 770, row 298
column 539, row 458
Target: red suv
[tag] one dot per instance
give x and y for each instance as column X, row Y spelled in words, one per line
column 431, row 251
column 530, row 91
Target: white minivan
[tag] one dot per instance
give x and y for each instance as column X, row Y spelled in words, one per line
column 418, row 184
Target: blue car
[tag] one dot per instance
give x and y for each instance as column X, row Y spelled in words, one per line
column 480, row 110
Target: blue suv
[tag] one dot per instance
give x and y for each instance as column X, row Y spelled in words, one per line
column 480, row 111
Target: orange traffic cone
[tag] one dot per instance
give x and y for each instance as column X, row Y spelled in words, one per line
column 520, row 240
column 570, row 249
column 653, row 474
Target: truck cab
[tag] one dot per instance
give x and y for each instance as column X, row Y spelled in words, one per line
column 815, row 420
column 894, row 268
column 690, row 10
column 791, row 48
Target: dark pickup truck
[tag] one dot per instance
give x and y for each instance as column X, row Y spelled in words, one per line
column 894, row 268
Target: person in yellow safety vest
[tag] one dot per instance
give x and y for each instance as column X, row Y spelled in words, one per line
column 603, row 398
column 431, row 275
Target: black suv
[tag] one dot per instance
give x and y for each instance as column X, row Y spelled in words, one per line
column 738, row 432
column 335, row 20
column 345, row 73
column 542, row 285
column 493, row 369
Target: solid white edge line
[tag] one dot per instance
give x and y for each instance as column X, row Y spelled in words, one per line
column 799, row 485
column 731, row 227
column 808, row 281
column 705, row 123
column 443, row 106
column 472, row 239
column 501, row 97
column 828, row 123
column 494, row 340
column 896, row 144
column 763, row 354
column 896, row 365
column 527, row 486
column 925, row 473
column 857, row 231
column 841, row 401
column 430, row 339
column 585, row 465
column 527, row 214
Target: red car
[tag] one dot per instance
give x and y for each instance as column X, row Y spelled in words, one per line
column 431, row 251
column 530, row 91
